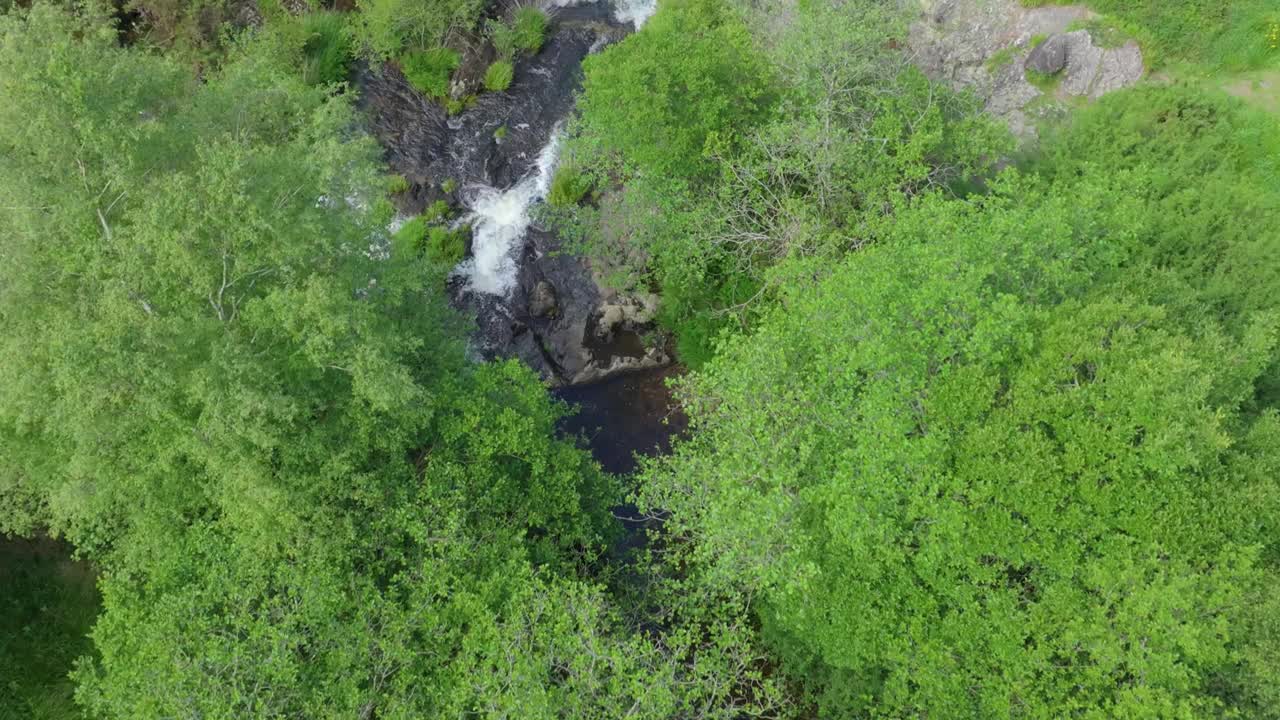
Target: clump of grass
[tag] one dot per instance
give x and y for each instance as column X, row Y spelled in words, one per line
column 407, row 241
column 427, row 236
column 530, row 26
column 568, row 187
column 1047, row 84
column 327, row 50
column 503, row 37
column 500, row 134
column 456, row 106
column 437, row 211
column 429, row 71
column 445, row 246
column 449, row 185
column 397, row 184
column 499, row 75
column 1002, row 59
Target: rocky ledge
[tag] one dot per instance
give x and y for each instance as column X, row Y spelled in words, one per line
column 989, row 47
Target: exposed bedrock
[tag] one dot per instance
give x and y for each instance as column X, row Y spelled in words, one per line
column 989, row 46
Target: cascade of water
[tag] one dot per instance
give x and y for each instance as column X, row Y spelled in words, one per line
column 499, row 219
column 635, row 12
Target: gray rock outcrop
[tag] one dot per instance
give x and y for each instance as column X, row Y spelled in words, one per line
column 1049, row 57
column 986, row 46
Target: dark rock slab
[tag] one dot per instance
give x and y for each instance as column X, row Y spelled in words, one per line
column 1049, row 57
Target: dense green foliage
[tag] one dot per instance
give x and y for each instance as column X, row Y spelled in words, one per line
column 188, row 28
column 429, row 70
column 752, row 148
column 1027, row 468
column 719, row 86
column 965, row 443
column 327, row 48
column 304, row 500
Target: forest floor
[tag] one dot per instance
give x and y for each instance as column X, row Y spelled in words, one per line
column 48, row 602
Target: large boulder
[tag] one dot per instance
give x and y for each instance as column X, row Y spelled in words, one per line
column 542, row 299
column 1083, row 60
column 1049, row 57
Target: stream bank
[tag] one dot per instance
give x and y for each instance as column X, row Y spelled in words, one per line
column 493, row 163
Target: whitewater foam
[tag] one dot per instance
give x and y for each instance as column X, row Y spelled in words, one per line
column 636, row 12
column 499, row 220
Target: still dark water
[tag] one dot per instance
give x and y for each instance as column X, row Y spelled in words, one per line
column 618, row 419
column 624, row 416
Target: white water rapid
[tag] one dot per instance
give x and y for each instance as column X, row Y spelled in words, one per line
column 635, row 12
column 499, row 219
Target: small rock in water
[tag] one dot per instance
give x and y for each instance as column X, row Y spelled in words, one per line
column 542, row 301
column 1049, row 57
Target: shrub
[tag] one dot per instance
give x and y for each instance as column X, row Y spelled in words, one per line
column 449, row 185
column 327, row 49
column 190, row 29
column 498, row 77
column 446, row 246
column 568, row 187
column 437, row 211
column 407, row 241
column 384, row 29
column 503, row 38
column 530, row 28
column 501, row 133
column 429, row 71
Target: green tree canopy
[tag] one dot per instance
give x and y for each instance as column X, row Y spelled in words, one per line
column 221, row 384
column 972, row 474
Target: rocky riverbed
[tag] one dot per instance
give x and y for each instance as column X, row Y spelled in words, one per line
column 494, row 162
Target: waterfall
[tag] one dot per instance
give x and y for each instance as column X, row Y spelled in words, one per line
column 635, row 12
column 499, row 219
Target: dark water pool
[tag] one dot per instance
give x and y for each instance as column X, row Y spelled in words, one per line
column 625, row 415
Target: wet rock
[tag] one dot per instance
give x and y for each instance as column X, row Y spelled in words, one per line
column 542, row 300
column 1049, row 57
column 630, row 312
column 429, row 147
column 411, row 128
column 469, row 78
column 550, row 318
